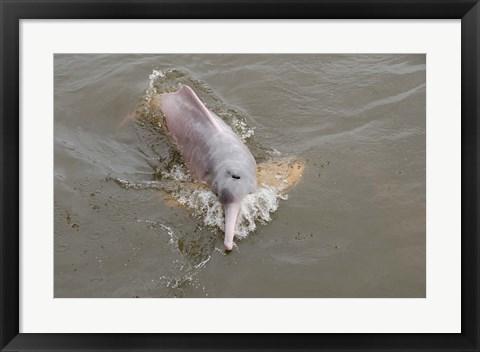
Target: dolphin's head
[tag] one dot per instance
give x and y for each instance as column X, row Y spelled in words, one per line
column 231, row 186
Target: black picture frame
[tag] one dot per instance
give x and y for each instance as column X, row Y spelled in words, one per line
column 12, row 11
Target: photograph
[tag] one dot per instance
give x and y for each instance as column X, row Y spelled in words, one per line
column 308, row 168
column 239, row 175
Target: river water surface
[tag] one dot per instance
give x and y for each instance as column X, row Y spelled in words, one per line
column 353, row 227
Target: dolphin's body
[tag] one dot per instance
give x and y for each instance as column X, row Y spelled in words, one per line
column 212, row 151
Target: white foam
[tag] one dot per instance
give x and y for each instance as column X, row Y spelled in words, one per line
column 256, row 207
column 152, row 78
column 178, row 172
column 238, row 126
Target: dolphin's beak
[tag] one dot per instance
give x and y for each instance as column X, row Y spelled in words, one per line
column 231, row 214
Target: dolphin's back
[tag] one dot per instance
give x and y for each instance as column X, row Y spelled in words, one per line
column 203, row 138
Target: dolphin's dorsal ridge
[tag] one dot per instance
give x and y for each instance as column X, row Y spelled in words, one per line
column 186, row 90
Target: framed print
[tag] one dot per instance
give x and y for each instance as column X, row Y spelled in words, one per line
column 239, row 175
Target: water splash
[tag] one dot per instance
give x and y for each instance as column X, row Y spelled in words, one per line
column 237, row 124
column 178, row 172
column 256, row 207
column 196, row 247
column 156, row 224
column 204, row 205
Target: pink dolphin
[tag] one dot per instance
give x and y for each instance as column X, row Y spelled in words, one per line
column 212, row 151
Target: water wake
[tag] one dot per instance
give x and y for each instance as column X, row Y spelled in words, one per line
column 173, row 176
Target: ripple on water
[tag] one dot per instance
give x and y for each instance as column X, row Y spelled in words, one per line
column 405, row 198
column 344, row 206
column 383, row 201
column 62, row 247
column 95, row 236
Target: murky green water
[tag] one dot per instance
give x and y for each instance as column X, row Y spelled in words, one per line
column 354, row 226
